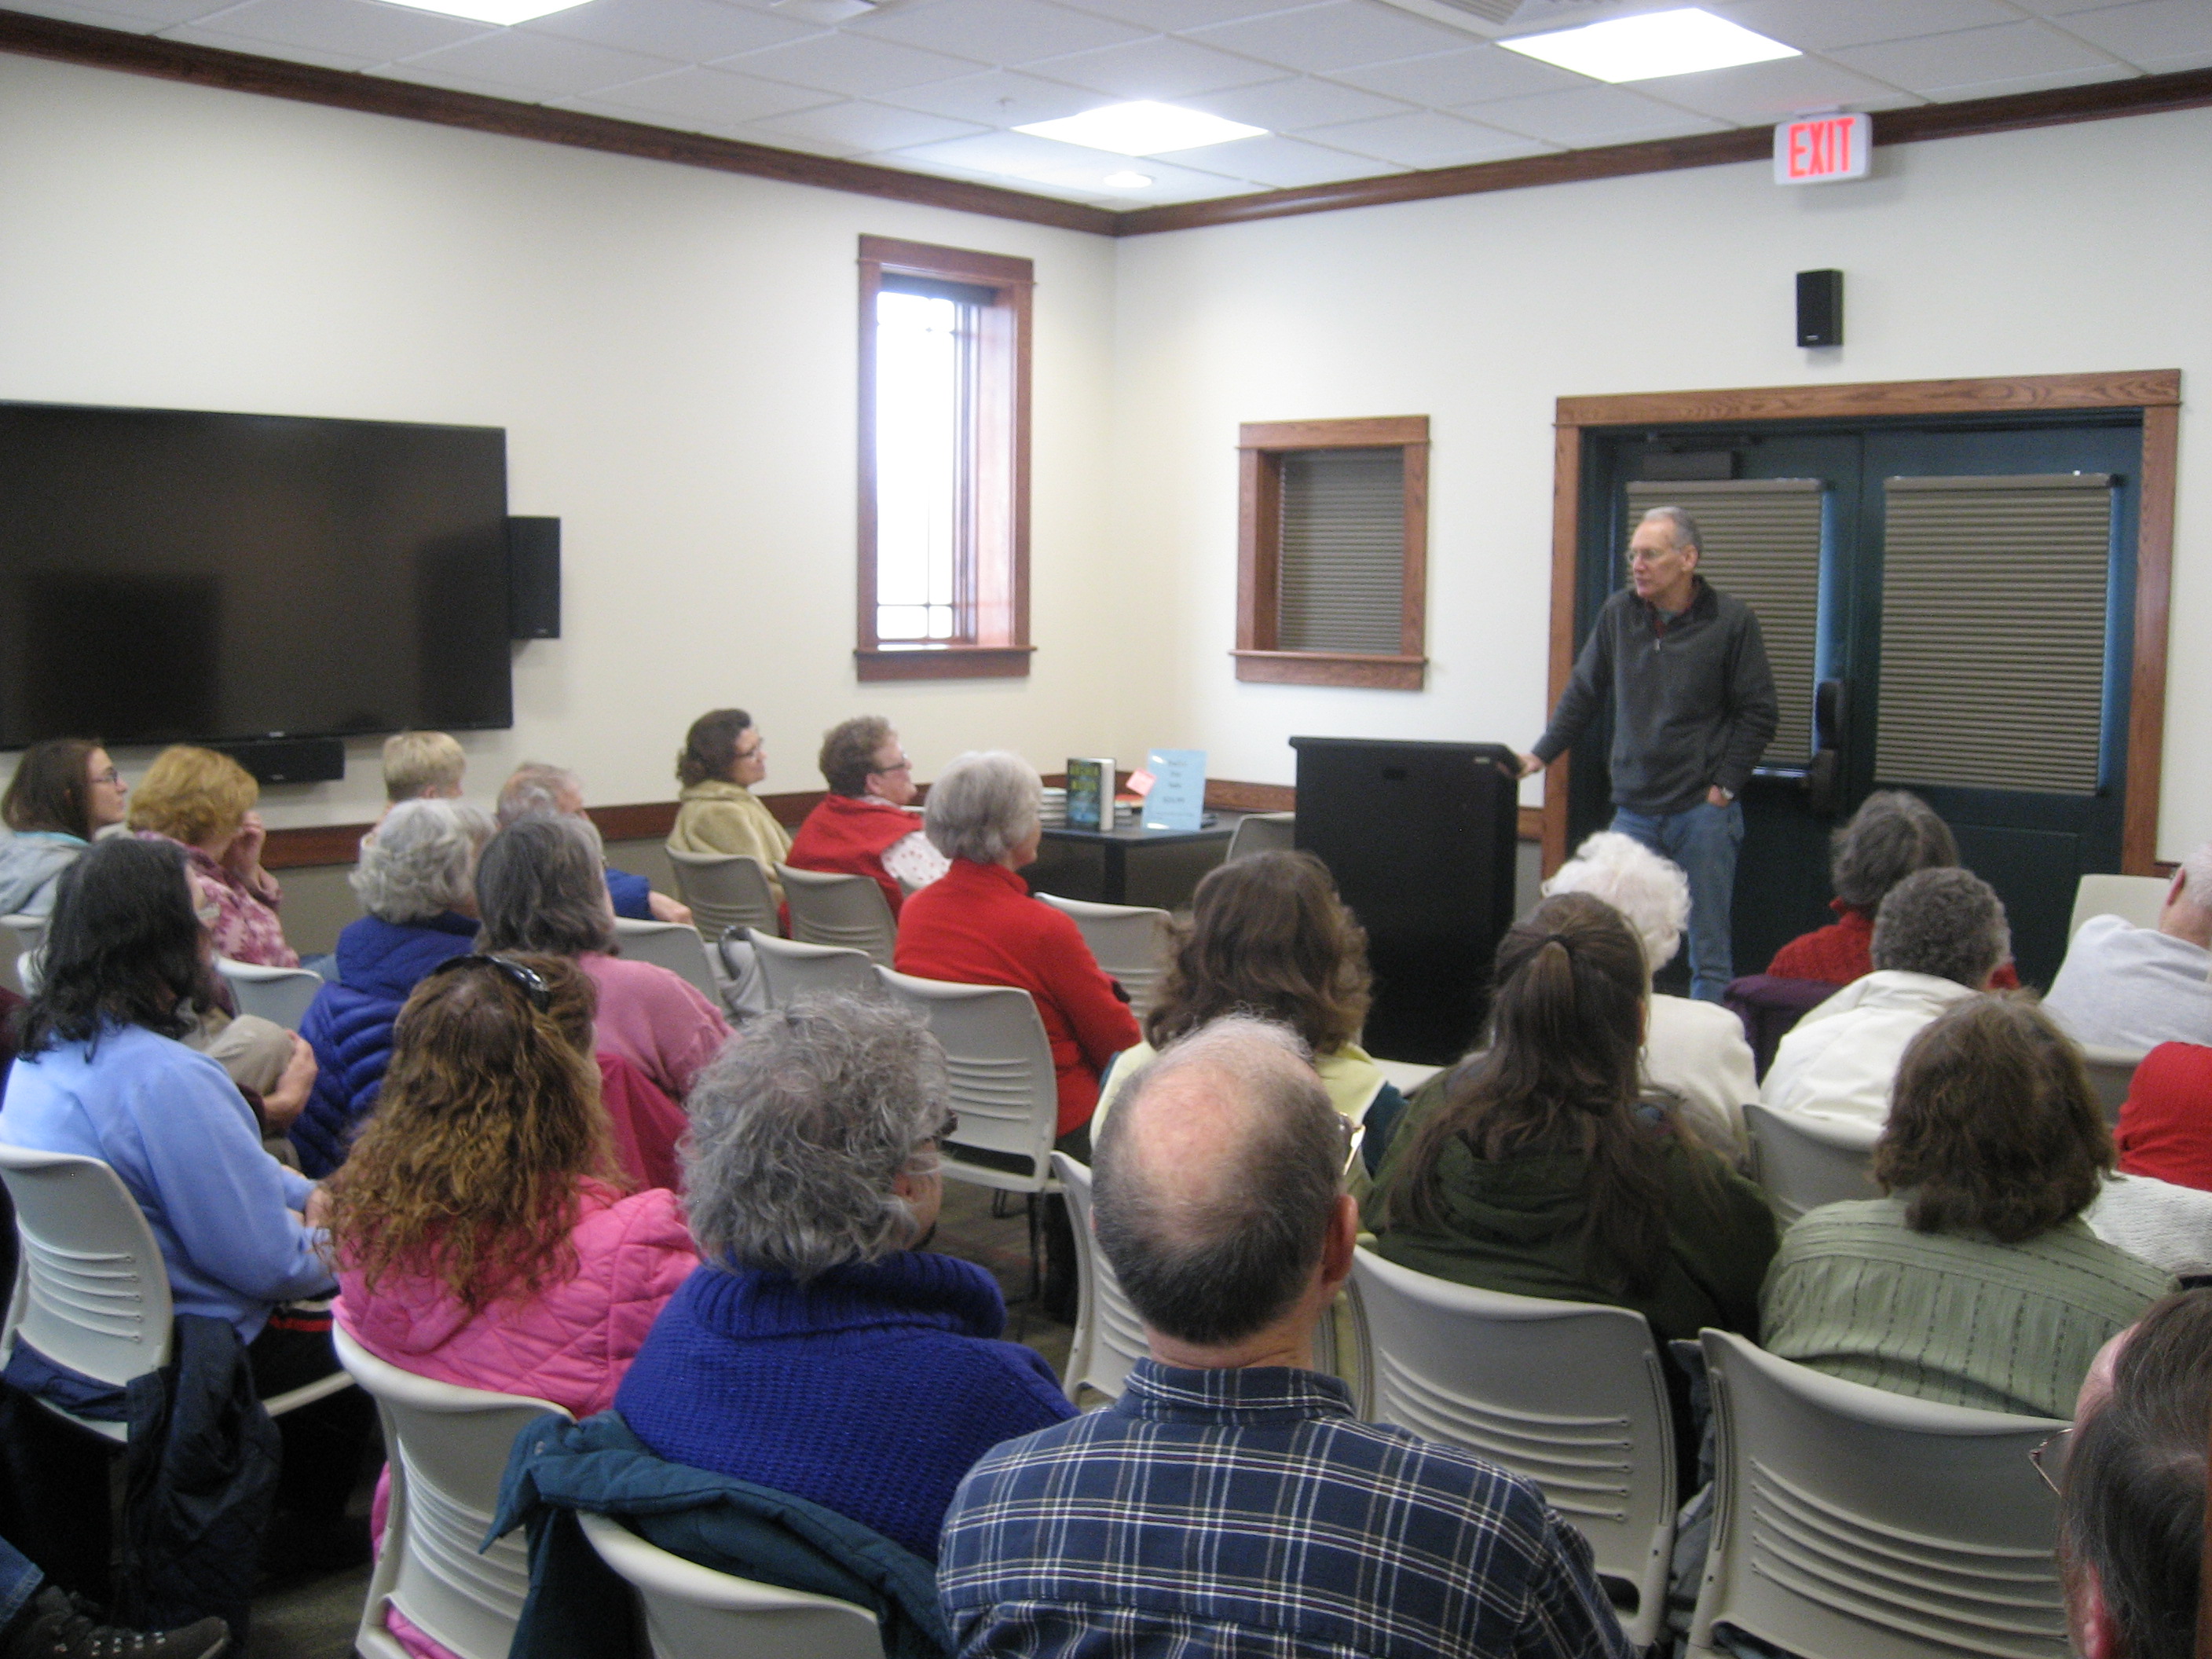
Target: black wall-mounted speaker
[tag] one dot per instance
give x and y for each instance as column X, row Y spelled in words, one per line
column 289, row 760
column 533, row 579
column 1820, row 308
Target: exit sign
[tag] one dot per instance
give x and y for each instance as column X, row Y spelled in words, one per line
column 1820, row 149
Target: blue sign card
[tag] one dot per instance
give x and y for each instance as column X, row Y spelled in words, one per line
column 1177, row 800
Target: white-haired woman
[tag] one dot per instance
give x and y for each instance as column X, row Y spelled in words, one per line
column 818, row 1350
column 1694, row 1051
column 417, row 880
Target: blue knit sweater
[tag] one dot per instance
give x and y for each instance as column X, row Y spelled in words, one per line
column 871, row 1390
column 349, row 1024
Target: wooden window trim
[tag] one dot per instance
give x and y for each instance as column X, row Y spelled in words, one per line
column 1002, row 647
column 2156, row 393
column 1262, row 446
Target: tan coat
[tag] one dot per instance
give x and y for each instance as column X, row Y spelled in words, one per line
column 715, row 817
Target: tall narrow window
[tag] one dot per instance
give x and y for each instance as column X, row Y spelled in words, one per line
column 944, row 508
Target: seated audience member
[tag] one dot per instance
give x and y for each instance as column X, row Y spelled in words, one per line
column 1538, row 1169
column 538, row 888
column 724, row 756
column 39, row 1620
column 862, row 827
column 204, row 802
column 2131, row 1504
column 1693, row 1051
column 2165, row 1123
column 1268, row 937
column 819, row 1351
column 64, row 792
column 1974, row 1281
column 2125, row 986
column 416, row 881
column 1894, row 834
column 422, row 766
column 538, row 791
column 1231, row 1501
column 1937, row 940
column 102, row 1074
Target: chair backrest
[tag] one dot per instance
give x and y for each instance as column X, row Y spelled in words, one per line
column 2111, row 1074
column 1108, row 1337
column 1568, row 1395
column 791, row 968
column 842, row 910
column 448, row 1449
column 30, row 933
column 1004, row 1085
column 1852, row 1521
column 1263, row 832
column 92, row 1290
column 1128, row 941
column 2136, row 899
column 281, row 994
column 725, row 891
column 675, row 945
column 693, row 1611
column 1805, row 1162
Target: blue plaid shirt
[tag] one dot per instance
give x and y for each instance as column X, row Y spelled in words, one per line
column 1250, row 1512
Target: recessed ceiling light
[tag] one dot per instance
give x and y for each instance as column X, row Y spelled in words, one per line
column 1656, row 44
column 1141, row 129
column 1127, row 180
column 492, row 11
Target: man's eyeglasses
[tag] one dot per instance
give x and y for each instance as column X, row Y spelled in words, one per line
column 2049, row 1457
column 532, row 983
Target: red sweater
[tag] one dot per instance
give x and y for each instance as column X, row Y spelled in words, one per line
column 1844, row 950
column 846, row 835
column 2166, row 1127
column 979, row 925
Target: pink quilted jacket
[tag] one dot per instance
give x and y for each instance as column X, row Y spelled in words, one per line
column 570, row 1344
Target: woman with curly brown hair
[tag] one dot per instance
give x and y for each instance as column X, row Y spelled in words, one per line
column 1975, row 1281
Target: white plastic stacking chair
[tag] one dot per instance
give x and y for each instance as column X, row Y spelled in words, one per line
column 675, row 945
column 793, row 969
column 449, row 1448
column 2111, row 1074
column 1263, row 832
column 281, row 994
column 2136, row 899
column 30, row 933
column 1853, row 1521
column 1806, row 1162
column 1128, row 941
column 693, row 1611
column 725, row 891
column 92, row 1291
column 1108, row 1337
column 1568, row 1395
column 842, row 910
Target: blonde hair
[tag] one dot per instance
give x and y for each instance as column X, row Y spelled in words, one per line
column 193, row 795
column 416, row 762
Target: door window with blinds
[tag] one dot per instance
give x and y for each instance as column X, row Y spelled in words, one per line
column 1333, row 552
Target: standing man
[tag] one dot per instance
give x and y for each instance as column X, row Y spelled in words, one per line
column 1684, row 670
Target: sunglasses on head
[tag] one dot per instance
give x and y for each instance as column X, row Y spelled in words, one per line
column 532, row 983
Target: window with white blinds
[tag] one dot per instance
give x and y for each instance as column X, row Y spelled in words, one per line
column 1343, row 562
column 1761, row 544
column 1993, row 630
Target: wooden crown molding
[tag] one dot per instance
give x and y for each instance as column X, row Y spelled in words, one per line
column 2151, row 388
column 236, row 71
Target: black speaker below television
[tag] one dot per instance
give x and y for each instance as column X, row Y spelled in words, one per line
column 289, row 760
column 1422, row 839
column 533, row 579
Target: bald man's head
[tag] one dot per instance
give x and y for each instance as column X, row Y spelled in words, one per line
column 1215, row 1181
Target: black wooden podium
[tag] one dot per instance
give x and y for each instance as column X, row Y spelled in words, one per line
column 1421, row 838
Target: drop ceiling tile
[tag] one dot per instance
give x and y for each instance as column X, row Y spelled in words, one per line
column 136, row 16
column 859, row 127
column 1339, row 35
column 539, row 64
column 1466, row 76
column 1818, row 25
column 1281, row 161
column 199, row 35
column 1160, row 68
column 1169, row 16
column 1301, row 102
column 1021, row 155
column 1973, row 61
column 358, row 29
column 684, row 31
column 1751, row 95
column 2061, row 7
column 2159, row 35
column 1000, row 99
column 424, row 72
column 1591, row 116
column 1425, row 138
column 996, row 31
column 707, row 98
column 853, row 64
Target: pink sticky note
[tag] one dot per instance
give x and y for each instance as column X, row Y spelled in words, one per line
column 1140, row 784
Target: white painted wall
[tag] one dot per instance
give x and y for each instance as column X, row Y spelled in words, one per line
column 670, row 350
column 2065, row 250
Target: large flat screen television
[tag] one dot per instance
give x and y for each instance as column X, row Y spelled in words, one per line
column 168, row 575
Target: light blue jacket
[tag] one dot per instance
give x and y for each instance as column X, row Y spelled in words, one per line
column 174, row 1127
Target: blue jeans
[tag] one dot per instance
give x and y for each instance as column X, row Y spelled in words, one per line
column 19, row 1582
column 1703, row 841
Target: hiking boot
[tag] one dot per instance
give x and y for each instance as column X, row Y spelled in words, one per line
column 57, row 1625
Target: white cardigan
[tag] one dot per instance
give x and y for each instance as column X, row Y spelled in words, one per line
column 1839, row 1060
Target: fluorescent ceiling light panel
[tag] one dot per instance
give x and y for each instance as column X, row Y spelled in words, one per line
column 503, row 12
column 1141, row 129
column 1654, row 44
